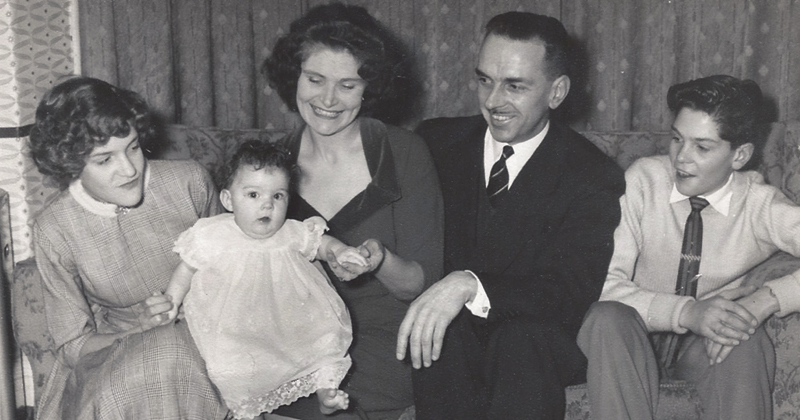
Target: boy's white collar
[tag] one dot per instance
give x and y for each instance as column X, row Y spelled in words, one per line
column 720, row 199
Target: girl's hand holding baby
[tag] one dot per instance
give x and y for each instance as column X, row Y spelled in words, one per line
column 154, row 311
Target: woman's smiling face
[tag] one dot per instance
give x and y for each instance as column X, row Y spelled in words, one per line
column 114, row 172
column 329, row 91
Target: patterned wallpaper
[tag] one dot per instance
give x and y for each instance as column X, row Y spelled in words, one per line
column 35, row 52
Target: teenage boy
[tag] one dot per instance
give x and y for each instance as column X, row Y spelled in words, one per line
column 693, row 223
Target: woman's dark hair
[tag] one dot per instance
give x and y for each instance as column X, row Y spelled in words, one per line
column 383, row 61
column 260, row 155
column 78, row 115
column 735, row 105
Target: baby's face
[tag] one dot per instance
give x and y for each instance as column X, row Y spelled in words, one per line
column 258, row 200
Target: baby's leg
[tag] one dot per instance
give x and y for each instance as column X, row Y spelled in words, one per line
column 332, row 400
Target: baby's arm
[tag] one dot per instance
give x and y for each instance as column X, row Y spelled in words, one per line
column 179, row 286
column 344, row 260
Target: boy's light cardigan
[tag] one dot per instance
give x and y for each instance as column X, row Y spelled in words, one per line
column 647, row 243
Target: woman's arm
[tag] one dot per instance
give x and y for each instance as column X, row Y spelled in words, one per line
column 153, row 312
column 415, row 260
column 404, row 278
column 69, row 316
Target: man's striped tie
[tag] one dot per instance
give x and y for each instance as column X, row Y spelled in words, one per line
column 498, row 180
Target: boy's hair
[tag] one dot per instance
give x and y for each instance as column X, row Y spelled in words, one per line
column 525, row 26
column 735, row 105
column 80, row 114
column 260, row 155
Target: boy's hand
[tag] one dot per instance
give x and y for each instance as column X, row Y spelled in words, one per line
column 762, row 304
column 717, row 352
column 719, row 318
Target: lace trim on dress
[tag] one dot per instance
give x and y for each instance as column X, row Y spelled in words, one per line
column 286, row 393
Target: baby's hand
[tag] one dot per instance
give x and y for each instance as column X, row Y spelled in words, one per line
column 173, row 313
column 347, row 263
column 350, row 255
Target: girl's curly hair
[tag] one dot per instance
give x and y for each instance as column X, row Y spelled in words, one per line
column 80, row 114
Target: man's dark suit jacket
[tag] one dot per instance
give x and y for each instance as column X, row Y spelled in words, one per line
column 544, row 251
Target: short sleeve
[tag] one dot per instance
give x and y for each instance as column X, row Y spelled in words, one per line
column 314, row 228
column 189, row 249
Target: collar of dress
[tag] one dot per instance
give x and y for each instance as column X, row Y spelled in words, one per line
column 97, row 207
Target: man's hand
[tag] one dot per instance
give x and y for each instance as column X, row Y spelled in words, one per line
column 428, row 317
column 154, row 311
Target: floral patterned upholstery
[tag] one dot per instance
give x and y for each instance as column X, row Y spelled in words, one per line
column 679, row 400
column 209, row 146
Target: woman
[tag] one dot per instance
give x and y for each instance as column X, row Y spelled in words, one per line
column 368, row 180
column 104, row 251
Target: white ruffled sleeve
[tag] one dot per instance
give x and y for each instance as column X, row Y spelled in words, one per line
column 315, row 227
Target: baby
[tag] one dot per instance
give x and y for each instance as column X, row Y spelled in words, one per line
column 267, row 321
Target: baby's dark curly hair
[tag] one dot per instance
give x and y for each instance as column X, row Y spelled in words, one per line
column 260, row 155
column 382, row 57
column 80, row 114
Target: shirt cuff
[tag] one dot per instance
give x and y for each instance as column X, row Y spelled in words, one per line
column 479, row 306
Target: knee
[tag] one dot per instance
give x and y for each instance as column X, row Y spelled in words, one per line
column 610, row 314
column 609, row 320
column 758, row 353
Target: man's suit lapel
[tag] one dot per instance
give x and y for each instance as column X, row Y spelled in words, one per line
column 519, row 218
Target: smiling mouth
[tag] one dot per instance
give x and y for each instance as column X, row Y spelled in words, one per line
column 682, row 175
column 130, row 184
column 325, row 114
column 501, row 118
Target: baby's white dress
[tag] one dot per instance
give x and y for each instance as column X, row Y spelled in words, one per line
column 268, row 323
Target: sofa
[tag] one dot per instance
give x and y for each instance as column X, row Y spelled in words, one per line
column 678, row 400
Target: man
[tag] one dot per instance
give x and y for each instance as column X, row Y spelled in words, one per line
column 527, row 254
column 693, row 223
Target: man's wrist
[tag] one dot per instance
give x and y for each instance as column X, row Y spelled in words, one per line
column 477, row 302
column 473, row 287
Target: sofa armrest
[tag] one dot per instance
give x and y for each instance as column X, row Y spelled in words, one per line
column 785, row 335
column 29, row 322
